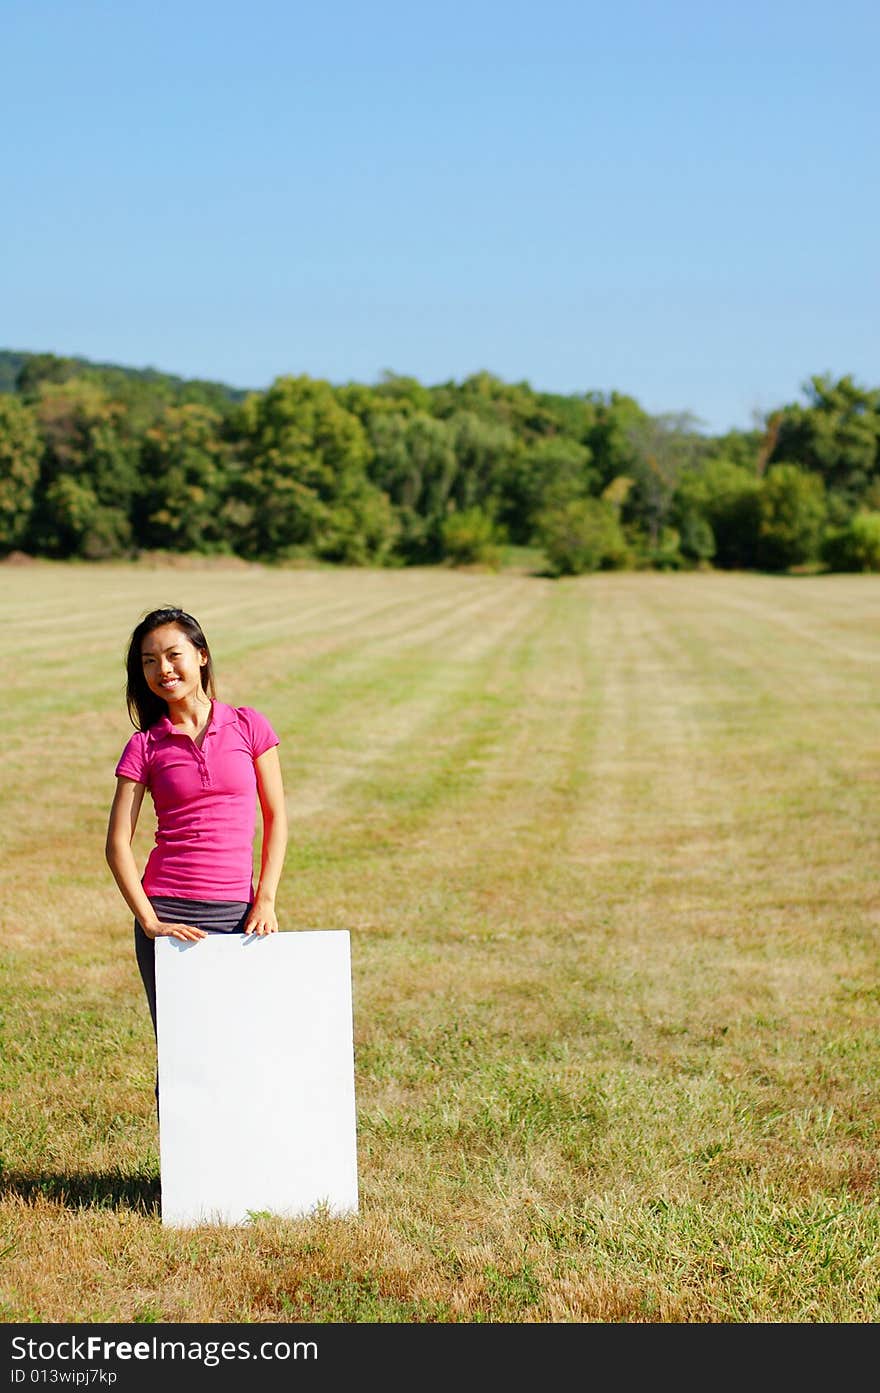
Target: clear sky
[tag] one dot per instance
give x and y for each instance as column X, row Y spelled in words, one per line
column 674, row 200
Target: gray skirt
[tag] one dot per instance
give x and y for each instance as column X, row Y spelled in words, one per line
column 214, row 916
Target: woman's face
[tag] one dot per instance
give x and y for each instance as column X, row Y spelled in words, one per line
column 172, row 664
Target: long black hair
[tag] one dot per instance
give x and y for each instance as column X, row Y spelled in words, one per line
column 144, row 707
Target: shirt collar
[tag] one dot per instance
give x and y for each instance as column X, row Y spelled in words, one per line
column 221, row 715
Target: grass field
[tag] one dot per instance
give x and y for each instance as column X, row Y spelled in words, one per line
column 607, row 849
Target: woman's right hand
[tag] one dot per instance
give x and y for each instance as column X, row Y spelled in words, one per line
column 187, row 933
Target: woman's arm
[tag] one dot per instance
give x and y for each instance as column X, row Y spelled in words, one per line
column 120, row 834
column 270, row 791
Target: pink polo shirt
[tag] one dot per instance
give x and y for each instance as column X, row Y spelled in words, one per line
column 205, row 801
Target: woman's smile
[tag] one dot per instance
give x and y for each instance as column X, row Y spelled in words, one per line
column 172, row 664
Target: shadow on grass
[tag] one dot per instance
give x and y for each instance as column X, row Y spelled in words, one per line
column 140, row 1193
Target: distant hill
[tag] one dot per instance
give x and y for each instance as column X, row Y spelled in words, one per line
column 10, row 366
column 59, row 369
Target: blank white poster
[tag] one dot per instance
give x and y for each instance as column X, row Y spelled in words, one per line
column 256, row 1076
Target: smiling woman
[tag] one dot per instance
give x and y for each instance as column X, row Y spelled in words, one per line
column 207, row 765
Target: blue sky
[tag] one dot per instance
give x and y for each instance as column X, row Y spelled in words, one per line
column 674, row 200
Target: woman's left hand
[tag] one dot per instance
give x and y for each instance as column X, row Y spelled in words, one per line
column 262, row 918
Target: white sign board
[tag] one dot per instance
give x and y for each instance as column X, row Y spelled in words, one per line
column 256, row 1076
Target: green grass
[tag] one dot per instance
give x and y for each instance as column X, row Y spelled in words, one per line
column 607, row 851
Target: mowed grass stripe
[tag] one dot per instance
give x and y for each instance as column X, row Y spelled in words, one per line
column 81, row 738
column 519, row 785
column 422, row 768
column 725, row 798
column 81, row 630
column 680, row 925
column 361, row 723
column 783, row 767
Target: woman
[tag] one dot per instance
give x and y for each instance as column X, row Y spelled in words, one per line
column 206, row 765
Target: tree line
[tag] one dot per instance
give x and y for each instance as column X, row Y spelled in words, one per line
column 102, row 462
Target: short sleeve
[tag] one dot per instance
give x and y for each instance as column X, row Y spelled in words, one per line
column 259, row 731
column 133, row 760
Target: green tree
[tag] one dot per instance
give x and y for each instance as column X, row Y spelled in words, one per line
column 511, row 405
column 723, row 495
column 471, row 538
column 836, row 435
column 414, row 463
column 854, row 547
column 400, row 393
column 44, row 369
column 547, row 473
column 185, row 467
column 20, row 451
column 483, row 451
column 663, row 447
column 792, row 516
column 612, row 439
column 143, row 392
column 741, row 447
column 582, row 535
column 696, row 538
column 303, row 476
column 88, row 474
column 573, row 417
column 81, row 525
